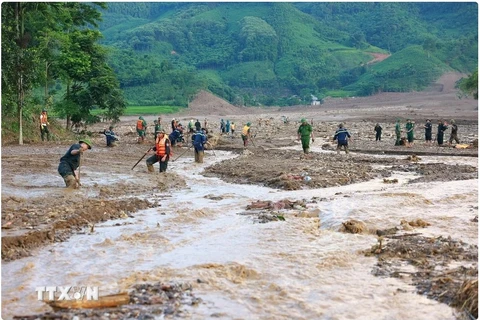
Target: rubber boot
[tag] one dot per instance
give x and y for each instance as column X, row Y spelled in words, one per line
column 150, row 168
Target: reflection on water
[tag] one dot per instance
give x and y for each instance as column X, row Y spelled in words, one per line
column 281, row 270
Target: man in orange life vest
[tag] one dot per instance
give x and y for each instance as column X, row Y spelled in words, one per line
column 141, row 128
column 162, row 153
column 44, row 125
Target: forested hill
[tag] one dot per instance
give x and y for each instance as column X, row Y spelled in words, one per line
column 277, row 53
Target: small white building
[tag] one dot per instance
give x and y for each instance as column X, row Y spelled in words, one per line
column 315, row 100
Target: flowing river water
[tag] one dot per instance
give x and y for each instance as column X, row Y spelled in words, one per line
column 301, row 268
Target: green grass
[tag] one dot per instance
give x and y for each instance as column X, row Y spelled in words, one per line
column 339, row 93
column 145, row 110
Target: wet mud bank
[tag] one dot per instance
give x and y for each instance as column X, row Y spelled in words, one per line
column 289, row 170
column 30, row 225
column 444, row 269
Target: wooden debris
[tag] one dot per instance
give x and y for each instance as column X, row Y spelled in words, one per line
column 109, row 301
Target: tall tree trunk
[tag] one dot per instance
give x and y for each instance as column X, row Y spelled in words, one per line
column 68, row 97
column 20, row 93
column 46, row 83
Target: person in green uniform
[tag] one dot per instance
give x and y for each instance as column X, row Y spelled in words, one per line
column 409, row 127
column 158, row 128
column 304, row 133
column 398, row 132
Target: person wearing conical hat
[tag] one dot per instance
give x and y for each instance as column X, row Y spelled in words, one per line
column 71, row 161
column 304, row 133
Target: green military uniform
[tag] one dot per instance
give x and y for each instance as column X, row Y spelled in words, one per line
column 409, row 127
column 398, row 133
column 158, row 128
column 305, row 131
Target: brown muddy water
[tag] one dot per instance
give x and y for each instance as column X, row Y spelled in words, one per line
column 298, row 267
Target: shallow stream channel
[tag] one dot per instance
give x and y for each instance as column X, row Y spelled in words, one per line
column 299, row 267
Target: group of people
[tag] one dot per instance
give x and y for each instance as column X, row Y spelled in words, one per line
column 163, row 146
column 199, row 138
column 227, row 127
column 410, row 126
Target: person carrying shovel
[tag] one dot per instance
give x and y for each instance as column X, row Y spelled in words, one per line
column 304, row 133
column 71, row 161
column 162, row 153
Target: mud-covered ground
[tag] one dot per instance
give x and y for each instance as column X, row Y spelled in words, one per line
column 38, row 210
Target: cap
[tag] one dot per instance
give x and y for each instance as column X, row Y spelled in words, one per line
column 111, row 127
column 87, row 142
column 248, row 124
column 44, row 110
column 303, row 120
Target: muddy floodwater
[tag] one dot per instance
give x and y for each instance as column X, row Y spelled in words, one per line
column 262, row 232
column 301, row 267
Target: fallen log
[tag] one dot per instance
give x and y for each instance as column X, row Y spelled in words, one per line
column 110, row 301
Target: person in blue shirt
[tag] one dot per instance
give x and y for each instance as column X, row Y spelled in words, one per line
column 176, row 137
column 227, row 127
column 199, row 138
column 341, row 135
column 111, row 137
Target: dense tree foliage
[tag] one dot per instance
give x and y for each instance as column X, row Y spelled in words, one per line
column 257, row 53
column 469, row 86
column 49, row 45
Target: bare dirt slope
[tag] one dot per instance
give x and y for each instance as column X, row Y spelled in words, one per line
column 207, row 104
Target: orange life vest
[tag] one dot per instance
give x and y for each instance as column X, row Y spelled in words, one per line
column 140, row 124
column 160, row 144
column 43, row 118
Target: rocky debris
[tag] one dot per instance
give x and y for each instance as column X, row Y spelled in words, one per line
column 413, row 158
column 264, row 216
column 353, row 226
column 388, row 181
column 147, row 301
column 432, row 257
column 278, row 205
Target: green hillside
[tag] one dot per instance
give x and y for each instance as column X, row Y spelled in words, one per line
column 280, row 53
